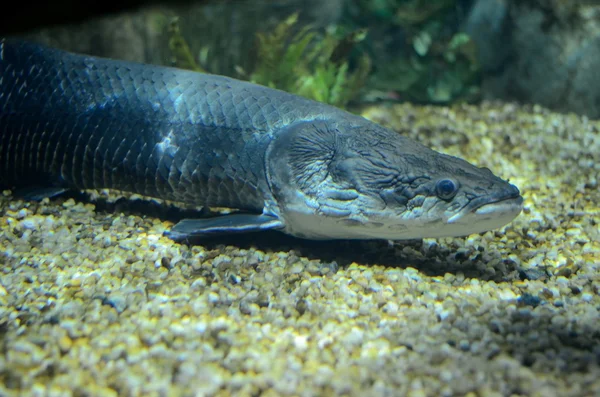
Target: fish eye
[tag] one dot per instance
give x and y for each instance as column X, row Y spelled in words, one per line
column 446, row 189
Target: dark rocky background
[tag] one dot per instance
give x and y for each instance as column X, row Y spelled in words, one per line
column 533, row 51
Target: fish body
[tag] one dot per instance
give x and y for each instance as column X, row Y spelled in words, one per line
column 71, row 121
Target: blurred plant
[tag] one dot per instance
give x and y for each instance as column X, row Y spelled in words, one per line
column 181, row 55
column 415, row 12
column 406, row 11
column 279, row 54
column 298, row 60
column 434, row 63
column 309, row 65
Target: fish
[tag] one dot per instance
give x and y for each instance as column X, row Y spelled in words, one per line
column 75, row 122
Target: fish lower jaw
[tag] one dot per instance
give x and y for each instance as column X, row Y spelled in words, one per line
column 487, row 217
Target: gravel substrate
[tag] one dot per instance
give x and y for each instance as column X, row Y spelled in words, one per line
column 95, row 302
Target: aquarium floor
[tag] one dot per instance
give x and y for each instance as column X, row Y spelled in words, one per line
column 95, row 302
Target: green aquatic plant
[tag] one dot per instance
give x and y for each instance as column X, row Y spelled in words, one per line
column 434, row 63
column 403, row 12
column 280, row 54
column 296, row 59
column 445, row 74
column 415, row 12
column 315, row 66
column 181, row 54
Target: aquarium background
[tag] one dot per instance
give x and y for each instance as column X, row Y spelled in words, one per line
column 421, row 51
column 95, row 301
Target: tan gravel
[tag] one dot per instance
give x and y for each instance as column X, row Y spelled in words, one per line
column 95, row 302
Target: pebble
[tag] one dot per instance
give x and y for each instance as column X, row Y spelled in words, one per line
column 95, row 303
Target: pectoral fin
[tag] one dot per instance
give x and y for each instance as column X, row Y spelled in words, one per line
column 222, row 225
column 36, row 193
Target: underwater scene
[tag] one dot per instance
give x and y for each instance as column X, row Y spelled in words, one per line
column 301, row 198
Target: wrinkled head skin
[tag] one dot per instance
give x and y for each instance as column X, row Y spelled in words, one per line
column 361, row 181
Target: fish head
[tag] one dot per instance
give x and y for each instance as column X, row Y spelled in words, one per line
column 362, row 181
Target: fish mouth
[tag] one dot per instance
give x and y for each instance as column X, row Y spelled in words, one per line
column 501, row 207
column 487, row 215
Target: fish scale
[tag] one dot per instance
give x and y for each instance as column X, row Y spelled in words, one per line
column 99, row 92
